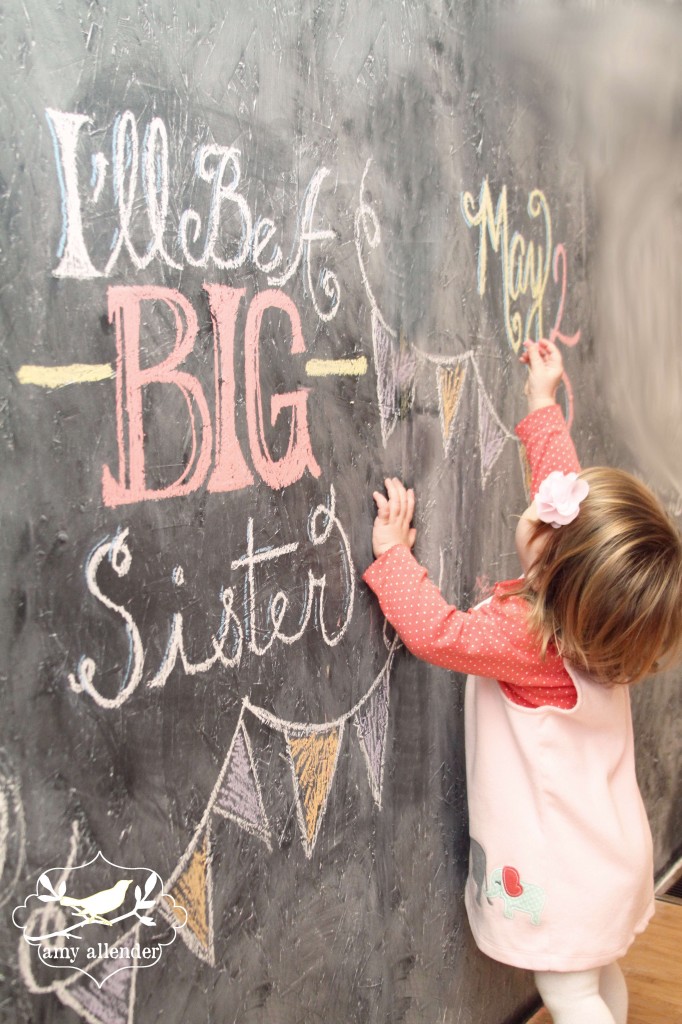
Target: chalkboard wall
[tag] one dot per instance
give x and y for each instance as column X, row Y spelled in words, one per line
column 255, row 257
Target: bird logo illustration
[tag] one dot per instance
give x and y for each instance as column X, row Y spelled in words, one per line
column 91, row 908
column 98, row 918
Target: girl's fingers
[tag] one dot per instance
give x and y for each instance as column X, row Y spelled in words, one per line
column 407, row 504
column 412, row 536
column 398, row 500
column 390, row 490
column 537, row 352
column 382, row 505
column 399, row 506
column 410, row 506
column 392, row 487
column 531, row 350
column 402, row 498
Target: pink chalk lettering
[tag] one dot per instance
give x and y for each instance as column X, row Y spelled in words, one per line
column 131, row 379
column 299, row 454
column 231, row 471
column 555, row 334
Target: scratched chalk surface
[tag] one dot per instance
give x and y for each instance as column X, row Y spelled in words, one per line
column 254, row 258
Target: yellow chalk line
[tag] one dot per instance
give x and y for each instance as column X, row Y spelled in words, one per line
column 60, row 376
column 336, row 367
column 81, row 373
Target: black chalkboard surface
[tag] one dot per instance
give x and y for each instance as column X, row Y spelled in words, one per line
column 255, row 257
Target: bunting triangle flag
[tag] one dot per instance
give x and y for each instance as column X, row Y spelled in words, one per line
column 387, row 383
column 102, row 996
column 491, row 434
column 239, row 796
column 372, row 725
column 449, row 380
column 191, row 898
column 313, row 756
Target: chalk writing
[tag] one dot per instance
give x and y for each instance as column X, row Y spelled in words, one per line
column 396, row 360
column 230, row 471
column 525, row 267
column 226, row 237
column 235, row 632
column 555, row 334
column 368, row 231
column 525, row 264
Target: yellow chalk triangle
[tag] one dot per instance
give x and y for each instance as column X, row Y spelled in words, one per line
column 449, row 380
column 191, row 892
column 313, row 759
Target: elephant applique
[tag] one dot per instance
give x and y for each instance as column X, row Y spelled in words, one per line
column 506, row 884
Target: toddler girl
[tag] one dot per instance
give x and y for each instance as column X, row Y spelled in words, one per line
column 560, row 868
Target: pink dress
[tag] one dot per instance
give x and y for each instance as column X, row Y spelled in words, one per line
column 561, row 865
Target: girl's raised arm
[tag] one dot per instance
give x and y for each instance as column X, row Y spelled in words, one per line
column 543, row 432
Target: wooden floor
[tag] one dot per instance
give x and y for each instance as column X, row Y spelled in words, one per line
column 653, row 969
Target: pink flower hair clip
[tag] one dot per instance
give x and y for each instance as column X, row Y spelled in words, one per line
column 558, row 498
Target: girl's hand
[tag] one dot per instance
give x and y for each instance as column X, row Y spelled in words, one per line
column 545, row 370
column 394, row 515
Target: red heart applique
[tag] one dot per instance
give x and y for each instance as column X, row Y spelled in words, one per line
column 511, row 880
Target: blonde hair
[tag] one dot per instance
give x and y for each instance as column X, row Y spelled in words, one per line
column 607, row 588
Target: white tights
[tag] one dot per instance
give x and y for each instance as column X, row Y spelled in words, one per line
column 599, row 996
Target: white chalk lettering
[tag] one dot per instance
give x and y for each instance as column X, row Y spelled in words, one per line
column 75, row 261
column 328, row 280
column 139, row 176
column 226, row 158
column 260, row 630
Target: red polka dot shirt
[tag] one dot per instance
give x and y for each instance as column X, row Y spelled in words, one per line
column 493, row 639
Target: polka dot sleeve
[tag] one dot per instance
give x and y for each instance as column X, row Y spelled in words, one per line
column 491, row 640
column 548, row 444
